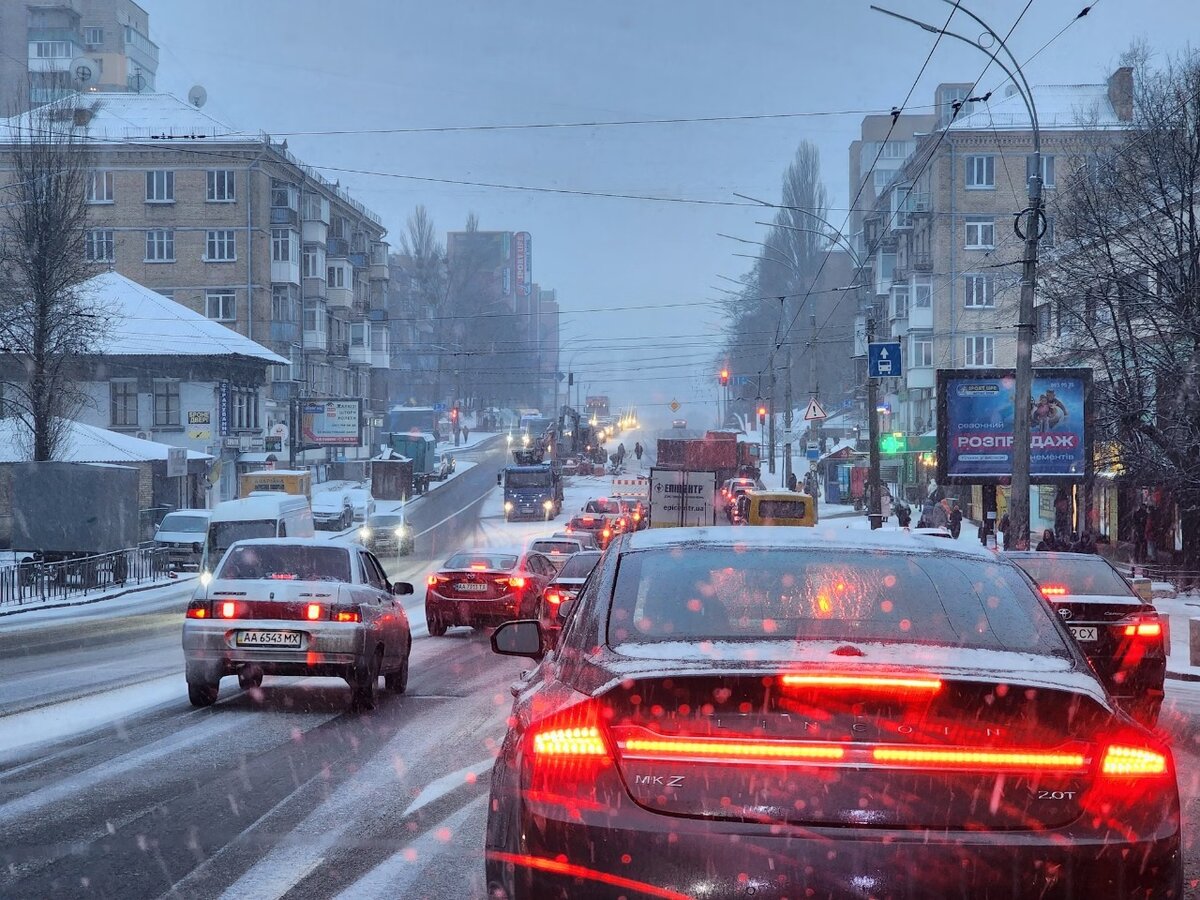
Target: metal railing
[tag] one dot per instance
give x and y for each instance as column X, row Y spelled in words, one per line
column 34, row 582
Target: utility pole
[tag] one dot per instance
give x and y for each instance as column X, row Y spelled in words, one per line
column 787, row 399
column 874, row 488
column 813, row 384
column 1018, row 500
column 771, row 423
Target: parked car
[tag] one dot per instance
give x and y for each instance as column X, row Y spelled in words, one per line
column 387, row 534
column 332, row 510
column 485, row 587
column 287, row 606
column 823, row 715
column 362, row 502
column 1120, row 633
column 180, row 536
column 443, row 465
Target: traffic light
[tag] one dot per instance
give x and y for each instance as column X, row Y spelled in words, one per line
column 724, row 377
column 454, row 416
column 762, row 414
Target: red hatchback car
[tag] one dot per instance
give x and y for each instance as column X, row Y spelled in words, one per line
column 486, row 587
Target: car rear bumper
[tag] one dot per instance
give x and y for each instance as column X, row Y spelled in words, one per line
column 456, row 611
column 211, row 651
column 691, row 858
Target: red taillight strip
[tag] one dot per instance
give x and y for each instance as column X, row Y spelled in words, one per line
column 732, row 750
column 967, row 758
column 864, row 682
column 561, row 867
column 581, row 741
column 1120, row 760
column 1144, row 629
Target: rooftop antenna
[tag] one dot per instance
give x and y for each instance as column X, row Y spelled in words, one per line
column 197, row 96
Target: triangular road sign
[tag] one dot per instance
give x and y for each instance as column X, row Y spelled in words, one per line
column 814, row 411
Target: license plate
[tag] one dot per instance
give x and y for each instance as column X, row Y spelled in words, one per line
column 467, row 586
column 268, row 639
column 1085, row 632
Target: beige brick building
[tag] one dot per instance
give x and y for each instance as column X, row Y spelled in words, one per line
column 945, row 272
column 233, row 226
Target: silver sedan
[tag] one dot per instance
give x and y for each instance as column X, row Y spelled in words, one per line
column 295, row 606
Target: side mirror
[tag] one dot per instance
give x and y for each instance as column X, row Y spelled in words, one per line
column 522, row 637
column 500, row 478
column 565, row 609
column 400, row 588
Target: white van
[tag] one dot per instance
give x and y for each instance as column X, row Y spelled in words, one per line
column 264, row 514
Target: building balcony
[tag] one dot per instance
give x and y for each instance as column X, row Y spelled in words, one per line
column 920, row 377
column 921, row 262
column 315, row 341
column 339, row 349
column 381, row 359
column 340, row 297
column 281, row 215
column 337, row 248
column 314, row 232
column 380, row 271
column 358, row 260
column 285, row 333
column 360, row 355
column 285, row 272
column 920, row 317
column 313, row 288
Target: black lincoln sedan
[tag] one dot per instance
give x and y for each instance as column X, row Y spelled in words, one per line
column 782, row 713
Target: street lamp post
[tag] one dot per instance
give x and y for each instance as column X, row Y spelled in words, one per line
column 1018, row 501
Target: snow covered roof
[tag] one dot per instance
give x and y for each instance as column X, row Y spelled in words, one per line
column 86, row 443
column 149, row 324
column 839, row 447
column 1059, row 106
column 121, row 116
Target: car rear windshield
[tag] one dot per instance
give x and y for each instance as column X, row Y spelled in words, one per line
column 602, row 507
column 580, row 565
column 181, row 522
column 556, row 547
column 287, row 563
column 720, row 594
column 496, row 561
column 1087, row 576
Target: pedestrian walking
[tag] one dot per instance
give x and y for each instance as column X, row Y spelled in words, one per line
column 638, row 450
column 956, row 517
column 1048, row 543
column 466, row 432
column 1151, row 535
column 1137, row 528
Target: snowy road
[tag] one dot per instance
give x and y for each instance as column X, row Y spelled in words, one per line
column 112, row 785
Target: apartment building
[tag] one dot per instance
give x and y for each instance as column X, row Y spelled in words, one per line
column 945, row 267
column 40, row 40
column 236, row 228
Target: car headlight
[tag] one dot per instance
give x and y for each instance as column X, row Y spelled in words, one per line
column 508, row 506
column 547, row 504
column 206, row 578
column 364, row 534
column 401, row 530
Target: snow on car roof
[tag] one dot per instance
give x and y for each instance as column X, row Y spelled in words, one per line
column 823, row 536
column 294, row 542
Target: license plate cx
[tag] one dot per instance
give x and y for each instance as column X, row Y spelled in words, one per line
column 287, row 639
column 1085, row 633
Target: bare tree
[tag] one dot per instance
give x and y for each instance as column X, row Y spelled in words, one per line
column 1125, row 286
column 46, row 321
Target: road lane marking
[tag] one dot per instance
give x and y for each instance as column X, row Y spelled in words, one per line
column 440, row 787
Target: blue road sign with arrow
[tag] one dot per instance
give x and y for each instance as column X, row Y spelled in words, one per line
column 883, row 360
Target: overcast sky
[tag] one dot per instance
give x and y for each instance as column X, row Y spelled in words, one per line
column 293, row 66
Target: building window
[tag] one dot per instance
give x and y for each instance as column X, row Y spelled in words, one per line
column 221, row 246
column 979, row 351
column 899, row 301
column 281, row 245
column 335, row 277
column 98, row 245
column 922, row 295
column 981, row 233
column 221, row 187
column 883, row 177
column 160, row 186
column 980, row 291
column 100, row 186
column 283, row 303
column 123, row 397
column 221, row 305
column 52, row 50
column 922, row 352
column 160, row 245
column 244, row 412
column 981, row 172
column 1047, row 169
column 312, row 262
column 314, row 316
column 166, row 401
column 93, row 36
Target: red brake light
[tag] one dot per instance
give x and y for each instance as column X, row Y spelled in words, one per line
column 431, row 580
column 197, row 609
column 312, row 612
column 348, row 615
column 1053, row 590
column 607, row 532
column 1150, row 629
column 228, row 609
column 970, row 758
column 865, row 682
column 1125, row 761
column 479, row 567
column 579, row 741
column 735, row 750
column 516, row 581
column 637, row 517
column 554, row 598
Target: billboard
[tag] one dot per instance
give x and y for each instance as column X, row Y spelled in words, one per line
column 975, row 425
column 331, row 423
column 522, row 262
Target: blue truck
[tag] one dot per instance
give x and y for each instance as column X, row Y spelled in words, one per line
column 532, row 491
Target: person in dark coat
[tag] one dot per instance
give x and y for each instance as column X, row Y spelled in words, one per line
column 792, row 481
column 1138, row 527
column 1048, row 542
column 956, row 517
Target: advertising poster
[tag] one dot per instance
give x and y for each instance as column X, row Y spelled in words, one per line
column 331, row 423
column 975, row 424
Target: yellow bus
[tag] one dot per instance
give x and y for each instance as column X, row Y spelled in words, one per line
column 778, row 508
